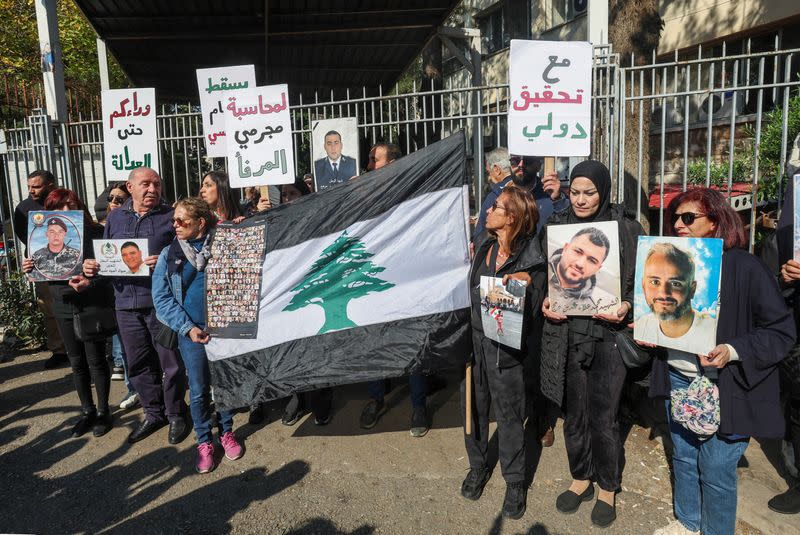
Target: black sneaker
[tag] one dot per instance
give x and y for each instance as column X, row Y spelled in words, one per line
column 293, row 411
column 84, row 423
column 369, row 416
column 787, row 503
column 55, row 360
column 473, row 484
column 515, row 501
column 419, row 422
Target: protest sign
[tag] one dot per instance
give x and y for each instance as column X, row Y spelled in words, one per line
column 676, row 292
column 130, row 135
column 334, row 149
column 56, row 239
column 259, row 129
column 583, row 271
column 215, row 87
column 550, row 98
column 233, row 279
column 796, row 207
column 122, row 258
column 502, row 308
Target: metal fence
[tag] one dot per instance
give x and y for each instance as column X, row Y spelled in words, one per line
column 659, row 127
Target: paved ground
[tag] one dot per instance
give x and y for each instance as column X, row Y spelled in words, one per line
column 304, row 479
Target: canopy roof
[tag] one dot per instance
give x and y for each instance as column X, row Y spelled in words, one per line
column 312, row 45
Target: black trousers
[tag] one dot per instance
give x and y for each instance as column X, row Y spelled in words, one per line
column 89, row 364
column 591, row 411
column 790, row 393
column 504, row 389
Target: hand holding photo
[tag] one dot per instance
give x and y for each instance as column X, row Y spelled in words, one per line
column 122, row 258
column 502, row 309
column 583, row 270
column 676, row 301
column 56, row 239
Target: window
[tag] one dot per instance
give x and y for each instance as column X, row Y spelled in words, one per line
column 562, row 11
column 494, row 32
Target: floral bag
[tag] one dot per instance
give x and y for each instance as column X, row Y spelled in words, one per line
column 696, row 407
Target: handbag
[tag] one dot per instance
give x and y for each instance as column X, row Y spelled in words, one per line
column 166, row 337
column 696, row 407
column 633, row 355
column 93, row 323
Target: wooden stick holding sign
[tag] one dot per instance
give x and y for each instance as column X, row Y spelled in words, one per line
column 468, row 400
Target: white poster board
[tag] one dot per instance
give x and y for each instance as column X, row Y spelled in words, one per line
column 130, row 135
column 550, row 108
column 215, row 86
column 259, row 132
column 122, row 257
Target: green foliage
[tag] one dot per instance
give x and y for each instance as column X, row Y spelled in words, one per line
column 769, row 155
column 19, row 46
column 741, row 171
column 19, row 312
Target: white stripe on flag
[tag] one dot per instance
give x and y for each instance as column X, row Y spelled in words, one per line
column 423, row 245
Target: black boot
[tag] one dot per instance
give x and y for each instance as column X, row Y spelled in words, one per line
column 102, row 424
column 515, row 501
column 84, row 423
column 787, row 503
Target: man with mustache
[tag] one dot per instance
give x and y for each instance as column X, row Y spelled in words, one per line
column 573, row 285
column 156, row 372
column 669, row 286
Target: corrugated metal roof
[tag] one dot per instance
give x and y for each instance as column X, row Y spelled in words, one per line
column 313, row 45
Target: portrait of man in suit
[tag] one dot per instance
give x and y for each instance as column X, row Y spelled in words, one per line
column 335, row 167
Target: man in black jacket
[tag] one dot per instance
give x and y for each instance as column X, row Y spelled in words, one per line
column 40, row 183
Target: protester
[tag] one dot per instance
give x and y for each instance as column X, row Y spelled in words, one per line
column 292, row 192
column 113, row 197
column 582, row 370
column 546, row 190
column 40, row 183
column 788, row 270
column 156, row 372
column 755, row 331
column 507, row 249
column 215, row 189
column 251, row 197
column 382, row 154
column 498, row 173
column 76, row 299
column 180, row 302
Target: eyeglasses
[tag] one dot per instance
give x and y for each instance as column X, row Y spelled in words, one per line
column 496, row 205
column 115, row 199
column 181, row 222
column 688, row 218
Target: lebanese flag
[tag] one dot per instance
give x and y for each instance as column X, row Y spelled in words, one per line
column 362, row 281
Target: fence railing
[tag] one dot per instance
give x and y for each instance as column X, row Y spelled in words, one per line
column 659, row 127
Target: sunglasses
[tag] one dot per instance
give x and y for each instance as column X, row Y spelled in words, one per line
column 496, row 205
column 514, row 160
column 181, row 222
column 688, row 218
column 114, row 199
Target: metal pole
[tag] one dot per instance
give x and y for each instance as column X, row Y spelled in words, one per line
column 102, row 64
column 51, row 61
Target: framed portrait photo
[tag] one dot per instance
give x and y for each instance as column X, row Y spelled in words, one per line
column 55, row 240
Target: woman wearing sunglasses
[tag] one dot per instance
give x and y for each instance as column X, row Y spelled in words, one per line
column 179, row 298
column 507, row 248
column 755, row 330
column 581, row 368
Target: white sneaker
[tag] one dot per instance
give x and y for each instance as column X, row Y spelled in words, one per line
column 130, row 401
column 675, row 528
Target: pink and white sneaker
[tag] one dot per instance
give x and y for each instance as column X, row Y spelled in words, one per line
column 233, row 450
column 205, row 458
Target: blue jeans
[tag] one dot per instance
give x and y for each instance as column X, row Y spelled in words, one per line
column 705, row 475
column 118, row 353
column 194, row 358
column 417, row 383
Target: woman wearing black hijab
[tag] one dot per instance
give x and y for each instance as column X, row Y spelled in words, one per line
column 581, row 368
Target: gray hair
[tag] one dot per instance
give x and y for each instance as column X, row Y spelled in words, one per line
column 499, row 157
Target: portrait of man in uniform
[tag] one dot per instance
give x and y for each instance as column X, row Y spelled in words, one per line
column 60, row 258
column 335, row 150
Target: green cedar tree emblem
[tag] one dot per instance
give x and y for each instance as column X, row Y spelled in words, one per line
column 342, row 272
